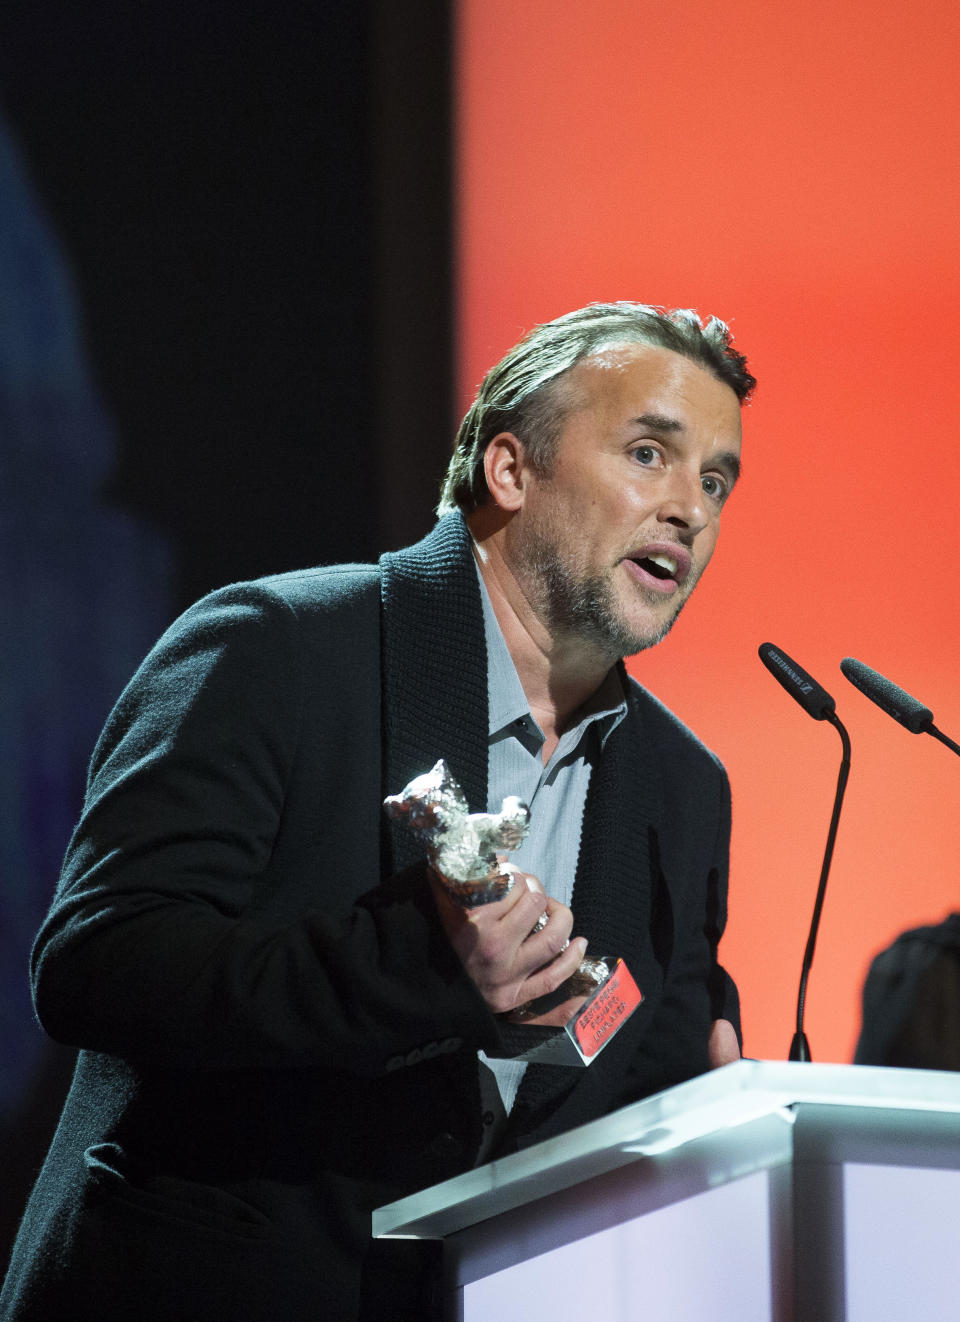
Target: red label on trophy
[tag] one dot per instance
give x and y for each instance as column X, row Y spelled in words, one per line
column 610, row 1006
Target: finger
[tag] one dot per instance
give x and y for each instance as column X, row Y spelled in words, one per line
column 522, row 880
column 549, row 935
column 447, row 894
column 533, row 883
column 722, row 1045
column 521, row 908
column 548, row 977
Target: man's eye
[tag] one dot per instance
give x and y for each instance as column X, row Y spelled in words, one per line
column 645, row 454
column 714, row 487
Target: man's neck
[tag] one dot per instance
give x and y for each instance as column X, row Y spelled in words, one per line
column 558, row 673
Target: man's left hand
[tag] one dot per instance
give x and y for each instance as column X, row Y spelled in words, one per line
column 722, row 1045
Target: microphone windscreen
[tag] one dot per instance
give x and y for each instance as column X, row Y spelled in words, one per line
column 889, row 697
column 803, row 687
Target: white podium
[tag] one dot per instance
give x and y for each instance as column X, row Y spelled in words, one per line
column 761, row 1192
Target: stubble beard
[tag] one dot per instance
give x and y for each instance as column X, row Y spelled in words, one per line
column 584, row 606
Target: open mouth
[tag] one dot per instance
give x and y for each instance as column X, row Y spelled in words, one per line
column 660, row 566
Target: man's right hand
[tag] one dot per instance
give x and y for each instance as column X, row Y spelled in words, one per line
column 507, row 960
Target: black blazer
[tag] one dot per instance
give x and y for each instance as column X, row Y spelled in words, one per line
column 276, row 1036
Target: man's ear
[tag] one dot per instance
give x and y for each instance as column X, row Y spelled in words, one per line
column 506, row 470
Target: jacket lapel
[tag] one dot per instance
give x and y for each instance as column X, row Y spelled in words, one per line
column 434, row 694
column 434, row 671
column 612, row 892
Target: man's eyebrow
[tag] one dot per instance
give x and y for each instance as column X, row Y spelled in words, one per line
column 658, row 422
column 729, row 461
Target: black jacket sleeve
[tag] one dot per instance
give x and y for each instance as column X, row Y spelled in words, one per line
column 215, row 908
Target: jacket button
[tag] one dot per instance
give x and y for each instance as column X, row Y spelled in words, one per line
column 445, row 1145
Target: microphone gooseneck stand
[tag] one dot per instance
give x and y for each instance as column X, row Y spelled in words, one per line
column 816, row 702
column 799, row 1047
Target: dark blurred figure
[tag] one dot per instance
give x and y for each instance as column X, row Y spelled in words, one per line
column 911, row 1001
column 83, row 591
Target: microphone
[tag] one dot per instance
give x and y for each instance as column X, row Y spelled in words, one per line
column 817, row 702
column 895, row 701
column 801, row 686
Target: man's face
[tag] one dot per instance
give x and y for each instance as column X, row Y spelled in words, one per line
column 609, row 545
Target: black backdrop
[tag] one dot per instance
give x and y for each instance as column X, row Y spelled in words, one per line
column 254, row 204
column 254, row 198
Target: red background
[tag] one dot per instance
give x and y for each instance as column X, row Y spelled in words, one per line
column 795, row 172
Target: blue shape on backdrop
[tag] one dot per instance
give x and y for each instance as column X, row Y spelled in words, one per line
column 83, row 591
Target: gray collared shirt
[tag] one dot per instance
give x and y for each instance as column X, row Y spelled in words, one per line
column 556, row 794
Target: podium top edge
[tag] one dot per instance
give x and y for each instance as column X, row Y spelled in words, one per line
column 736, row 1094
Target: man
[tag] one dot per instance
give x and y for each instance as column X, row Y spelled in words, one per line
column 284, row 1021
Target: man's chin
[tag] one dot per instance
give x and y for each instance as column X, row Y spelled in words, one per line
column 642, row 642
column 618, row 639
column 640, row 635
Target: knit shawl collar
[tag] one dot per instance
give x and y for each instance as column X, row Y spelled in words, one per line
column 435, row 705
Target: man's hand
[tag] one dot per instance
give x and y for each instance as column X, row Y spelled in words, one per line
column 508, row 961
column 722, row 1045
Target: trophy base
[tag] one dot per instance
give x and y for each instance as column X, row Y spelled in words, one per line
column 609, row 1005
